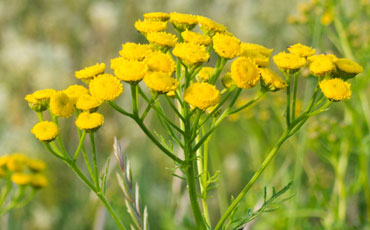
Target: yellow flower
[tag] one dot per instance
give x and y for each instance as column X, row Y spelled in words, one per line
column 244, row 73
column 38, row 180
column 131, row 71
column 347, row 68
column 161, row 40
column 335, row 89
column 148, row 26
column 160, row 62
column 61, row 105
column 75, row 91
column 17, row 162
column 202, row 95
column 226, row 46
column 195, row 38
column 45, row 130
column 156, row 16
column 36, row 165
column 205, row 73
column 160, row 82
column 89, row 121
column 247, row 48
column 105, row 87
column 134, row 51
column 301, row 50
column 36, row 105
column 258, row 58
column 88, row 102
column 183, row 21
column 289, row 62
column 43, row 94
column 4, row 160
column 321, row 65
column 272, row 81
column 88, row 73
column 327, row 17
column 21, row 178
column 210, row 27
column 190, row 54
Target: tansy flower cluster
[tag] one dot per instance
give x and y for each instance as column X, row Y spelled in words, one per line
column 22, row 170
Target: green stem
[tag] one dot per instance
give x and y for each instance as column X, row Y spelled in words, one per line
column 288, row 100
column 135, row 99
column 80, row 144
column 295, row 87
column 254, row 178
column 95, row 165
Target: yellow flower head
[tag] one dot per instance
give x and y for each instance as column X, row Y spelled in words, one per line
column 247, row 48
column 61, row 105
column 45, row 130
column 244, row 73
column 131, row 71
column 289, row 62
column 160, row 62
column 89, row 121
column 105, row 87
column 39, row 100
column 160, row 82
column 161, row 40
column 190, row 54
column 88, row 73
column 148, row 26
column 134, row 51
column 196, row 38
column 335, row 89
column 36, row 165
column 272, row 81
column 327, row 17
column 17, row 162
column 255, row 54
column 75, row 91
column 21, row 178
column 301, row 50
column 347, row 68
column 156, row 16
column 183, row 21
column 205, row 73
column 4, row 160
column 210, row 27
column 202, row 95
column 226, row 46
column 322, row 64
column 88, row 102
column 44, row 94
column 38, row 180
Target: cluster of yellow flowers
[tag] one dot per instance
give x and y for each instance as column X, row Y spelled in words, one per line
column 22, row 170
column 332, row 72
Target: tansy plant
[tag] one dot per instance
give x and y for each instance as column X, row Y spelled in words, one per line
column 173, row 71
column 20, row 178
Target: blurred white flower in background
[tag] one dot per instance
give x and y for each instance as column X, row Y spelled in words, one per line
column 103, row 16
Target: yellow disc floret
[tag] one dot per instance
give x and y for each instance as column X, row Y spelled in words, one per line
column 322, row 64
column 44, row 94
column 202, row 95
column 38, row 180
column 45, row 130
column 148, row 26
column 88, row 102
column 17, row 162
column 195, row 38
column 226, row 46
column 244, row 73
column 301, row 50
column 61, row 105
column 210, row 27
column 89, row 121
column 130, row 71
column 75, row 91
column 160, row 62
column 289, row 62
column 205, row 73
column 36, row 165
column 347, row 68
column 183, row 21
column 160, row 82
column 190, row 54
column 156, row 16
column 105, row 87
column 336, row 89
column 272, row 81
column 134, row 51
column 21, row 178
column 161, row 39
column 90, row 72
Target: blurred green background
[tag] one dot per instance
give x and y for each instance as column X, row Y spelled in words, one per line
column 42, row 43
